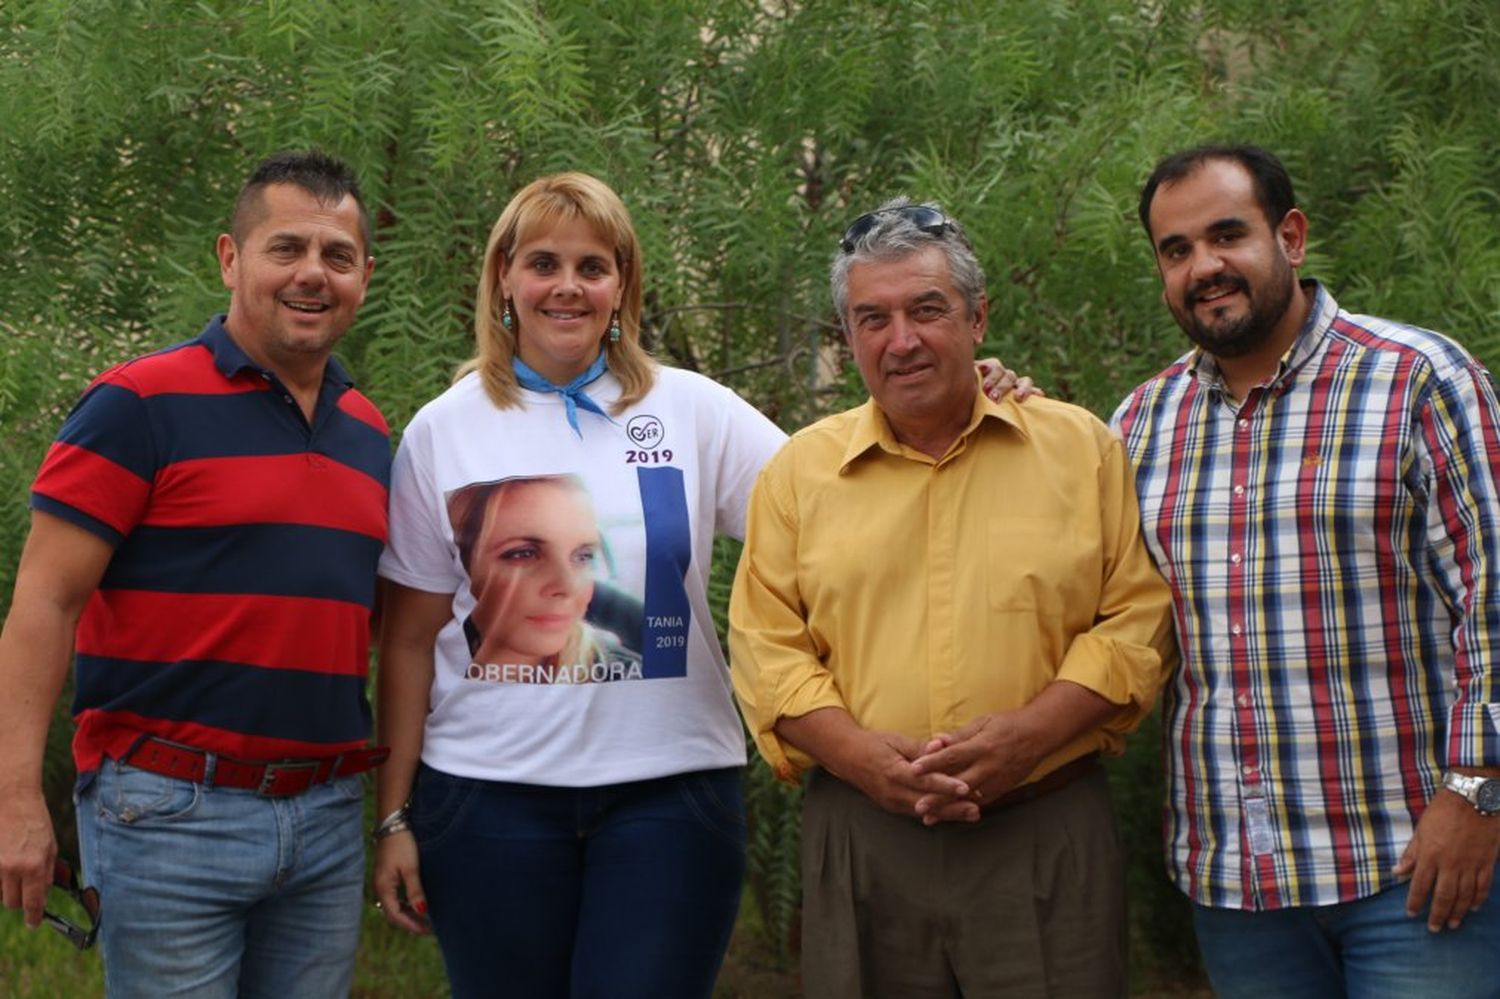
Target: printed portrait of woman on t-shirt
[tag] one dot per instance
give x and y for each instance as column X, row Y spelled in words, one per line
column 533, row 551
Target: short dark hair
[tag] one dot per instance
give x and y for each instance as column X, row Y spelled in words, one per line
column 1273, row 185
column 325, row 177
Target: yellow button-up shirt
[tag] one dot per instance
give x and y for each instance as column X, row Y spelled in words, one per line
column 920, row 594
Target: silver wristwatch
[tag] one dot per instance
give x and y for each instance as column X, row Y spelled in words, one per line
column 1481, row 792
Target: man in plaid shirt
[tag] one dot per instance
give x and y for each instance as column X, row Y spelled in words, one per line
column 1319, row 489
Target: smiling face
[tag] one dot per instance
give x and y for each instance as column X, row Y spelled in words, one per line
column 532, row 570
column 564, row 285
column 1228, row 275
column 913, row 342
column 296, row 277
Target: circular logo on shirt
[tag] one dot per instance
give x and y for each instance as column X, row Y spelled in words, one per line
column 645, row 431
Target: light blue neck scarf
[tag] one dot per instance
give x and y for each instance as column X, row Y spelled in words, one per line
column 572, row 393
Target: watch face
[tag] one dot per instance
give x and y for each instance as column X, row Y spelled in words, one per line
column 1487, row 799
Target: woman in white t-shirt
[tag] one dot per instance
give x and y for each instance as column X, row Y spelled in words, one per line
column 563, row 798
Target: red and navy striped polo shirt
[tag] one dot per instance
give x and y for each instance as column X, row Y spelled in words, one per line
column 234, row 615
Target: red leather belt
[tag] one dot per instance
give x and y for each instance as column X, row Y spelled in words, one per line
column 275, row 779
column 1054, row 780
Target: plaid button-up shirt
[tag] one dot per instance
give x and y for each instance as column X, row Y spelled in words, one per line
column 1333, row 546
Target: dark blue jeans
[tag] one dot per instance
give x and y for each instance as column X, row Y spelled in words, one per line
column 619, row 891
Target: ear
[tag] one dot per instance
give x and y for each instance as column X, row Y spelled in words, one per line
column 981, row 319
column 1292, row 235
column 227, row 253
column 502, row 272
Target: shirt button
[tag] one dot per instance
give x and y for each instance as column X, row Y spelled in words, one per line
column 1244, row 424
column 1235, row 558
column 1243, row 700
column 1247, row 770
column 1239, row 490
column 1234, row 629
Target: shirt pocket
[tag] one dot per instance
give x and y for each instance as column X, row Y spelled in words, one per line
column 1038, row 564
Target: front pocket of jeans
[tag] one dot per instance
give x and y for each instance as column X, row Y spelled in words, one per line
column 351, row 788
column 132, row 796
column 437, row 802
column 715, row 803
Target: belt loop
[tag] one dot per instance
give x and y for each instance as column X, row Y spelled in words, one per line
column 134, row 745
column 210, row 767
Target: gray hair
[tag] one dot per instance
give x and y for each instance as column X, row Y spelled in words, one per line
column 894, row 236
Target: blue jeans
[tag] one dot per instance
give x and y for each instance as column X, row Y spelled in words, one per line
column 1365, row 949
column 617, row 891
column 215, row 892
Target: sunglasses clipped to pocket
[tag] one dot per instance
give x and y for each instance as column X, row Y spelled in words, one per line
column 82, row 905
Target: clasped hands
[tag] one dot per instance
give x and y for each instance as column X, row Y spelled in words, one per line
column 949, row 777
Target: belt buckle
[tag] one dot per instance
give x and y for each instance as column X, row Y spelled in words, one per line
column 274, row 772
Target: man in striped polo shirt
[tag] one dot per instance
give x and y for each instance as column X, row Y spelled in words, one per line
column 1319, row 489
column 204, row 538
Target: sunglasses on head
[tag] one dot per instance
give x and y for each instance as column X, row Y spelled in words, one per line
column 65, row 879
column 924, row 217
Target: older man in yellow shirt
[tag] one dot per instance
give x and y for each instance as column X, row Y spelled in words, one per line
column 944, row 607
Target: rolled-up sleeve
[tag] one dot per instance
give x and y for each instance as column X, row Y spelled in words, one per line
column 776, row 664
column 1127, row 654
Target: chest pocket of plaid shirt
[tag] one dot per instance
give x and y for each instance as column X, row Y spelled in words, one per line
column 1037, row 564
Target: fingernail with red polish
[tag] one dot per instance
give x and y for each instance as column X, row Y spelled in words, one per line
column 421, row 907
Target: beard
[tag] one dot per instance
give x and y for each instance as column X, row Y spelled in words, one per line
column 1225, row 337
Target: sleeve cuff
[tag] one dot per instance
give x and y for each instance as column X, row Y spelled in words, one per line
column 46, row 504
column 1095, row 663
column 1127, row 675
column 787, row 761
column 1474, row 735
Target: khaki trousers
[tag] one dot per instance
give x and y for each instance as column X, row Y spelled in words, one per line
column 1029, row 901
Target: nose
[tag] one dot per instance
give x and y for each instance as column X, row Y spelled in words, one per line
column 1205, row 262
column 310, row 271
column 563, row 579
column 567, row 281
column 903, row 337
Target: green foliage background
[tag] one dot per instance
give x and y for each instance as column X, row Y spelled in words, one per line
column 743, row 134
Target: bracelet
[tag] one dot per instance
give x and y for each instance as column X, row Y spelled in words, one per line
column 394, row 823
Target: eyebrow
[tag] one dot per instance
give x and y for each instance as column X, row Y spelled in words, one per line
column 513, row 538
column 934, row 295
column 1228, row 224
column 300, row 239
column 544, row 251
column 1232, row 223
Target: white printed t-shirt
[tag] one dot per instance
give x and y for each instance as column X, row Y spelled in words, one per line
column 661, row 477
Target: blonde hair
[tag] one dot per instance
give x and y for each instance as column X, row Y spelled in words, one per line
column 583, row 646
column 544, row 203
